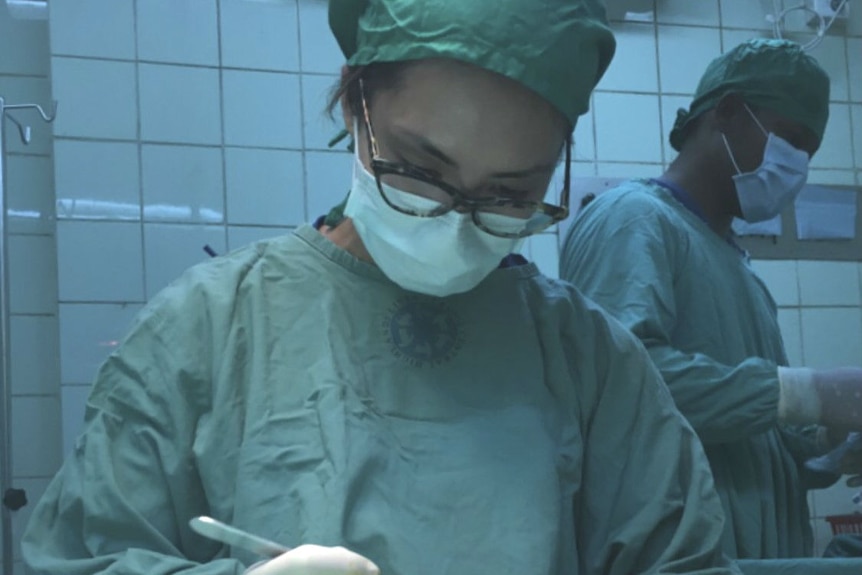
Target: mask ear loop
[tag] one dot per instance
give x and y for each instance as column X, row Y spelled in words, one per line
column 756, row 121
column 730, row 153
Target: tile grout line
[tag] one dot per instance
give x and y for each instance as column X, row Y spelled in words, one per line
column 306, row 211
column 222, row 147
column 139, row 146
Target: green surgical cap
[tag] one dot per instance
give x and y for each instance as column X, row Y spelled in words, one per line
column 774, row 74
column 558, row 48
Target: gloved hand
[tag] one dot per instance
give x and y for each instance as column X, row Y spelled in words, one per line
column 852, row 465
column 829, row 397
column 316, row 560
column 851, row 462
column 843, row 455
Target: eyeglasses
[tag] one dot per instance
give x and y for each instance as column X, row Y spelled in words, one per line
column 414, row 192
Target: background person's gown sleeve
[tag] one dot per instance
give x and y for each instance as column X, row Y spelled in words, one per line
column 711, row 327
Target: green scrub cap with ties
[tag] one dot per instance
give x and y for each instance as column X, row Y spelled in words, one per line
column 557, row 48
column 774, row 74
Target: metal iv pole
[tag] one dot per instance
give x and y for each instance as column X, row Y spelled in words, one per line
column 13, row 499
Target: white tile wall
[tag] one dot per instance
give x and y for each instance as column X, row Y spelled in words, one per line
column 746, row 13
column 831, row 54
column 832, row 337
column 178, row 32
column 832, row 177
column 318, row 127
column 829, row 284
column 328, row 176
column 97, row 180
column 616, row 140
column 33, row 265
column 700, row 46
column 100, row 261
column 854, row 63
column 584, row 139
column 180, row 104
column 28, row 41
column 88, row 334
column 318, row 49
column 700, row 13
column 36, row 441
column 836, row 149
column 583, row 169
column 274, row 45
column 634, row 67
column 780, row 276
column 856, row 127
column 35, row 348
column 854, row 22
column 30, row 195
column 791, row 333
column 262, row 109
column 182, row 184
column 264, row 187
column 860, row 279
column 100, row 97
column 79, row 37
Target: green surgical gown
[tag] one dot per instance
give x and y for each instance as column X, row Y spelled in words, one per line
column 296, row 393
column 711, row 327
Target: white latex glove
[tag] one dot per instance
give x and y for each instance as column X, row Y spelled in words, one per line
column 316, row 560
column 830, row 397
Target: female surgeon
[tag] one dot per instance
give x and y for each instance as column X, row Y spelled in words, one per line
column 393, row 390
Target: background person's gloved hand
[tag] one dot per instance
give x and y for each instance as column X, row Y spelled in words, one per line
column 316, row 560
column 851, row 464
column 829, row 397
column 844, row 456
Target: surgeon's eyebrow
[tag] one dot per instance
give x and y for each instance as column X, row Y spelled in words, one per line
column 420, row 142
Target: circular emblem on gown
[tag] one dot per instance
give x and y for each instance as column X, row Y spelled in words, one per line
column 423, row 331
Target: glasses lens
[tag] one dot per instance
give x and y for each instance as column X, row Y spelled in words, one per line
column 419, row 197
column 414, row 196
column 518, row 222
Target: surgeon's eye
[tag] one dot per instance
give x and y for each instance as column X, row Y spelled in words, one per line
column 507, row 192
column 425, row 171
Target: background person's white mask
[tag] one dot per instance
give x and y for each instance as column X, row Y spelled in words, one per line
column 771, row 187
column 437, row 256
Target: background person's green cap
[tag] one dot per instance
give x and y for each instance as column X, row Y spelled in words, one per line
column 774, row 74
column 558, row 48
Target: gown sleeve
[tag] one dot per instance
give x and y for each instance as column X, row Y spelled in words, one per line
column 123, row 498
column 623, row 255
column 648, row 501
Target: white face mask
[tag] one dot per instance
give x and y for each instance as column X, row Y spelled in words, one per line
column 771, row 187
column 436, row 256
